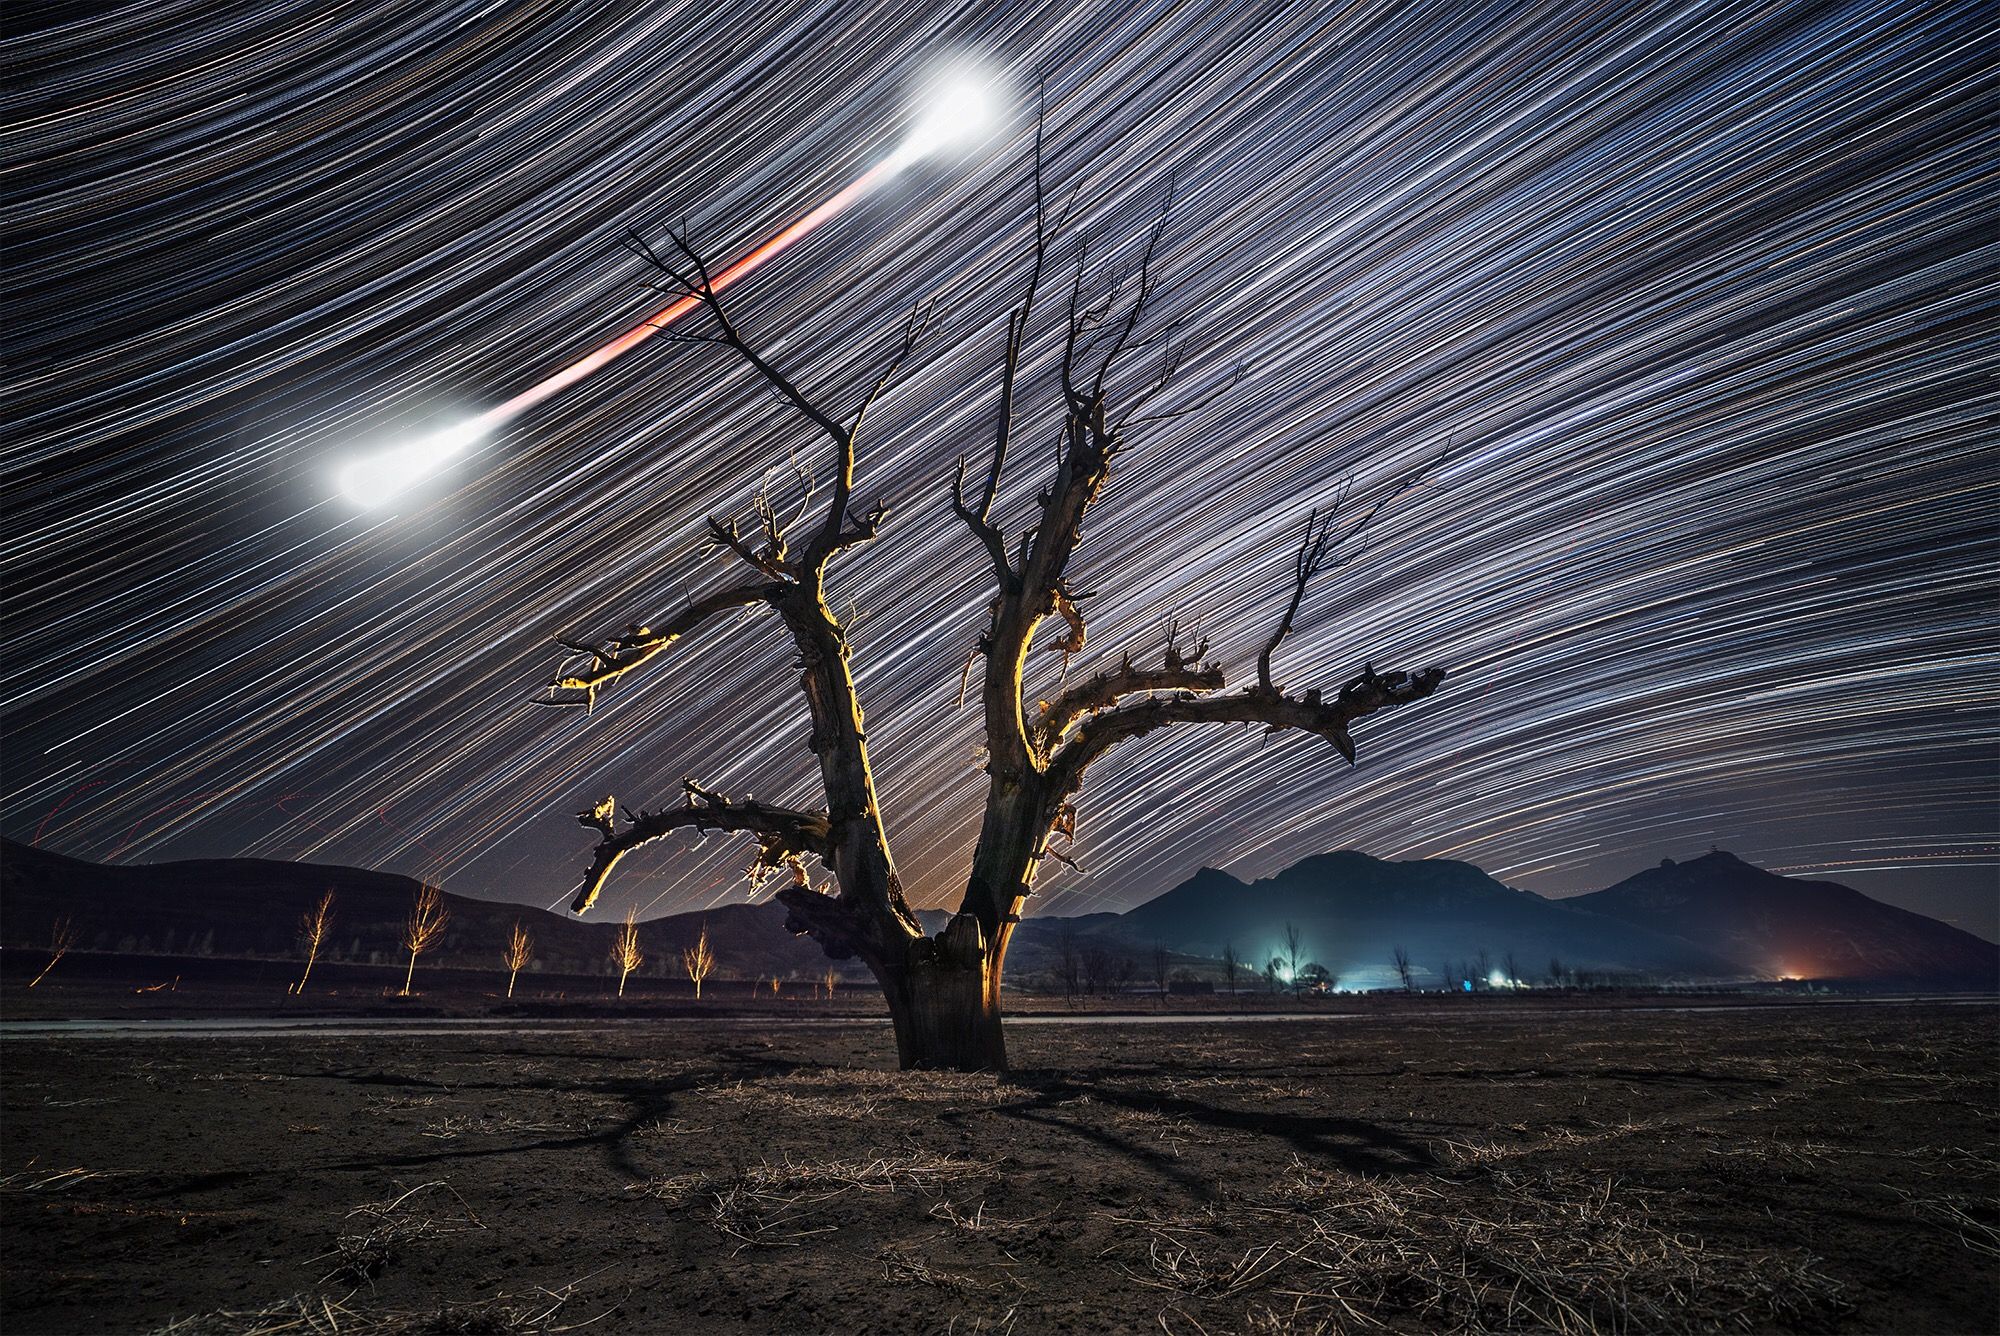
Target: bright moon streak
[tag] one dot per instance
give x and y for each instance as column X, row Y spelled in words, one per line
column 958, row 112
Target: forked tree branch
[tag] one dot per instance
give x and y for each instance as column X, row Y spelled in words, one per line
column 1359, row 697
column 835, row 532
column 1178, row 671
column 783, row 834
column 979, row 518
column 639, row 645
column 1321, row 545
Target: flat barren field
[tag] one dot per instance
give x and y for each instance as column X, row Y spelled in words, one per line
column 1795, row 1168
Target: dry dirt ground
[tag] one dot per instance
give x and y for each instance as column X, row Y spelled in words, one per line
column 1807, row 1168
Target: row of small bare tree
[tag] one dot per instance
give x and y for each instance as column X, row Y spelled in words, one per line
column 424, row 928
column 1091, row 968
column 1477, row 974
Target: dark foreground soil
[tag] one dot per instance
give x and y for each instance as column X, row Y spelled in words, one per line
column 1803, row 1168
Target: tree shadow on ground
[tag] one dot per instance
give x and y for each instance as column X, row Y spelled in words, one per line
column 1356, row 1145
column 648, row 1099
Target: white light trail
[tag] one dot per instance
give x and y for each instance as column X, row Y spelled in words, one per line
column 959, row 110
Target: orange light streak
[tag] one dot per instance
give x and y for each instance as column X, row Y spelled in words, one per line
column 861, row 187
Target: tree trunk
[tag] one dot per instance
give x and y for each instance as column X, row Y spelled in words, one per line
column 409, row 974
column 945, row 1003
column 510, row 982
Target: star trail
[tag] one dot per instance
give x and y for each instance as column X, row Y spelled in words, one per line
column 1702, row 296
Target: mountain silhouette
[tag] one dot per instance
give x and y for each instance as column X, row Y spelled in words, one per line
column 1804, row 929
column 1711, row 918
column 1353, row 911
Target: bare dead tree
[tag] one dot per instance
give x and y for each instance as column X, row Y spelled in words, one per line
column 1069, row 966
column 422, row 929
column 1099, row 969
column 62, row 936
column 1402, row 958
column 1231, row 967
column 699, row 960
column 1161, row 963
column 312, row 932
column 520, row 950
column 944, row 990
column 831, row 978
column 1294, row 946
column 625, row 952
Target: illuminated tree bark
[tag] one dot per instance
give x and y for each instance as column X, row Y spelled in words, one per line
column 944, row 991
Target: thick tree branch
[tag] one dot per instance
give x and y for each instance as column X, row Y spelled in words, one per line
column 1108, row 688
column 784, row 836
column 1359, row 697
column 641, row 644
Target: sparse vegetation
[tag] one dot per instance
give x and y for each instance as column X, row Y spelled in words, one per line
column 775, row 1205
column 1435, row 1168
column 385, row 1229
column 530, row 1313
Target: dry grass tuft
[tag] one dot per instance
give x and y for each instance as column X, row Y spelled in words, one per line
column 828, row 1102
column 390, row 1226
column 901, row 1266
column 526, row 1314
column 57, row 1180
column 661, row 1128
column 1330, row 1251
column 1970, row 1220
column 1562, row 1253
column 454, row 1125
column 979, row 1222
column 772, row 1205
column 1186, row 1267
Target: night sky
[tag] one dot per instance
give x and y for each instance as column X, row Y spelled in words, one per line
column 1701, row 295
